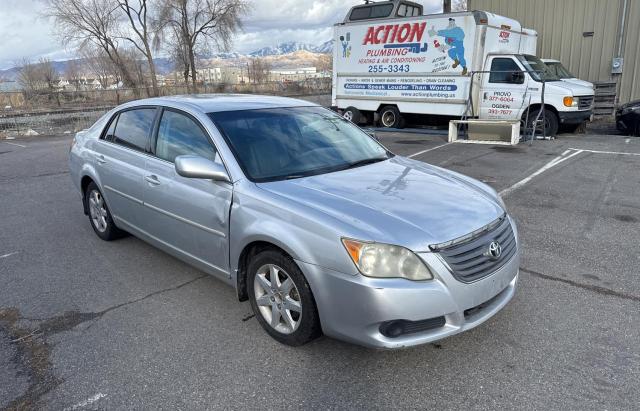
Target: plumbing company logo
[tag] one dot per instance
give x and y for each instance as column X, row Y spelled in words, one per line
column 346, row 47
column 504, row 36
column 397, row 39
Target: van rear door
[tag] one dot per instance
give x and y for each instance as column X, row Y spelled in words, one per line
column 503, row 95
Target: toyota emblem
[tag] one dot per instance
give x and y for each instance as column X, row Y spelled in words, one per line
column 495, row 250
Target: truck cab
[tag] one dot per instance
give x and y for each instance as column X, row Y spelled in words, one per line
column 513, row 83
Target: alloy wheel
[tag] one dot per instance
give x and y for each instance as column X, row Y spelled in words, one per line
column 277, row 298
column 98, row 211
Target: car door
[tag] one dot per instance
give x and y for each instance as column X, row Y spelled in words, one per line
column 187, row 215
column 120, row 157
column 504, row 91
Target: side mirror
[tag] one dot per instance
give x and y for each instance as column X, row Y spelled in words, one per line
column 200, row 167
column 517, row 77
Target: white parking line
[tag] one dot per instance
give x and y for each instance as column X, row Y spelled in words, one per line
column 8, row 255
column 15, row 144
column 561, row 158
column 86, row 402
column 607, row 152
column 427, row 150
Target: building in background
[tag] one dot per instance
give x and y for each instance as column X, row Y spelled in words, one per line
column 597, row 40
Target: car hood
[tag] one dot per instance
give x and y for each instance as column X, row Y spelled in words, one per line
column 398, row 201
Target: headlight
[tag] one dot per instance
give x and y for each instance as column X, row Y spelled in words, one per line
column 386, row 261
column 570, row 101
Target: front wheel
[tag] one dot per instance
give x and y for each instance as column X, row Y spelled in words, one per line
column 550, row 123
column 281, row 299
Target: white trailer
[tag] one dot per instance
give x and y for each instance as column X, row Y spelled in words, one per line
column 390, row 60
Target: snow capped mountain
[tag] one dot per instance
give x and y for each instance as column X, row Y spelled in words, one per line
column 326, row 47
column 292, row 47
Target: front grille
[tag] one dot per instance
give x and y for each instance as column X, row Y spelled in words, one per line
column 585, row 102
column 470, row 260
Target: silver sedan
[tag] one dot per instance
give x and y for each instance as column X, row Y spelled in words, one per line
column 308, row 217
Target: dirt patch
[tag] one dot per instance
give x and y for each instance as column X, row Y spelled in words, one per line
column 33, row 355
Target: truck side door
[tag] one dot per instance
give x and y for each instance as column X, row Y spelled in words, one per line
column 504, row 91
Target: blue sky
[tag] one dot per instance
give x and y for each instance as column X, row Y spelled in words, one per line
column 24, row 33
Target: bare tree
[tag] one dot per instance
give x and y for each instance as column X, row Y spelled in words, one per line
column 259, row 70
column 325, row 62
column 100, row 65
column 199, row 20
column 91, row 22
column 48, row 73
column 144, row 27
column 73, row 73
column 37, row 76
column 28, row 76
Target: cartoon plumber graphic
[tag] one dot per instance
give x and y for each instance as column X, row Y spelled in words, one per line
column 453, row 42
column 346, row 48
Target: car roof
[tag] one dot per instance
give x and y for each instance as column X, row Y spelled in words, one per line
column 212, row 103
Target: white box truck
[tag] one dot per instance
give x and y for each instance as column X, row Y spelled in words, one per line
column 391, row 60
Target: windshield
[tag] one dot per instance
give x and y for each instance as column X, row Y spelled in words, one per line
column 536, row 68
column 559, row 70
column 284, row 143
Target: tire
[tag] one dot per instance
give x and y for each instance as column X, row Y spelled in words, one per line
column 100, row 216
column 353, row 115
column 390, row 117
column 295, row 326
column 551, row 123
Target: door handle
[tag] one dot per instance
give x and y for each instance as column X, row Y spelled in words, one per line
column 100, row 159
column 153, row 180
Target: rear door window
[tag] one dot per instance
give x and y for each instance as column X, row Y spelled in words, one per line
column 133, row 128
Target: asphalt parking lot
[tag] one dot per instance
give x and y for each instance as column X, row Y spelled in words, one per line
column 86, row 324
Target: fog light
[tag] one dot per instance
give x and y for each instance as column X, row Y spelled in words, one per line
column 392, row 329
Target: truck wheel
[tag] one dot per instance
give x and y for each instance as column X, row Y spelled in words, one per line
column 551, row 123
column 352, row 114
column 390, row 117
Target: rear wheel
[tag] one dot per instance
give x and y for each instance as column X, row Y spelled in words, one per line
column 352, row 114
column 281, row 299
column 390, row 117
column 100, row 216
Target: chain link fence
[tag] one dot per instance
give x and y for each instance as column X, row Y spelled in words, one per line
column 59, row 112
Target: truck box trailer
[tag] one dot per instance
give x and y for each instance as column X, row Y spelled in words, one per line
column 391, row 60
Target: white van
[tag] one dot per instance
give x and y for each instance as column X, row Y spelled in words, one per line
column 556, row 67
column 391, row 60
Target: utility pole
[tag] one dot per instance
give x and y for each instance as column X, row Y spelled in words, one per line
column 446, row 6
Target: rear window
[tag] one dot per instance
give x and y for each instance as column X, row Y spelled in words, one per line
column 133, row 128
column 371, row 12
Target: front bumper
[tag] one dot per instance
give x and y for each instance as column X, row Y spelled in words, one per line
column 352, row 308
column 574, row 117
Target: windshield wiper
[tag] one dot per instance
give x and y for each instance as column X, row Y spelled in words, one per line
column 366, row 161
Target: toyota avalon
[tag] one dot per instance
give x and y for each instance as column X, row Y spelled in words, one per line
column 308, row 217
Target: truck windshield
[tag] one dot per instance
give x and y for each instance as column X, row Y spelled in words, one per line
column 558, row 69
column 536, row 68
column 285, row 143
